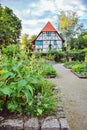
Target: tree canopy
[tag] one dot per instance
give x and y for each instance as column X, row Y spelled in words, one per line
column 73, row 32
column 67, row 23
column 10, row 27
column 26, row 41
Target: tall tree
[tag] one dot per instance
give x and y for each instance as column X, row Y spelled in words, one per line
column 67, row 24
column 10, row 27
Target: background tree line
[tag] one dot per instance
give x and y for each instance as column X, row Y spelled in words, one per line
column 72, row 30
column 10, row 27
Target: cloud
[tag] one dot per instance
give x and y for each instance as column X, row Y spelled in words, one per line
column 35, row 14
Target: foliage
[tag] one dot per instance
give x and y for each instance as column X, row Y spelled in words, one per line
column 67, row 23
column 72, row 63
column 73, row 32
column 23, row 88
column 26, row 42
column 77, row 54
column 85, row 60
column 49, row 70
column 80, row 69
column 45, row 67
column 82, row 40
column 10, row 27
column 67, row 20
column 59, row 56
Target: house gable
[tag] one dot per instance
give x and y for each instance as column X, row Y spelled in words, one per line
column 47, row 36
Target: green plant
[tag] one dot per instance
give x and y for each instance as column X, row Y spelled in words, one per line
column 23, row 88
column 72, row 63
column 59, row 56
column 78, row 68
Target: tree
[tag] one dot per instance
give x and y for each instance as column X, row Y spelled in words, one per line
column 82, row 40
column 26, row 41
column 10, row 27
column 67, row 24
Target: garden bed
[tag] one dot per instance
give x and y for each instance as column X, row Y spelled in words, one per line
column 69, row 65
column 25, row 93
column 56, row 121
column 79, row 75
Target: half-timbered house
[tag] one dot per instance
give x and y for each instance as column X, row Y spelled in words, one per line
column 48, row 38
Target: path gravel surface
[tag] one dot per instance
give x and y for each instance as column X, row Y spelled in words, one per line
column 74, row 97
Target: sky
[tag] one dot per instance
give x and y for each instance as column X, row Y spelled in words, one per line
column 34, row 14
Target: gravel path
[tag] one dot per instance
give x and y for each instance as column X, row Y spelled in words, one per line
column 74, row 97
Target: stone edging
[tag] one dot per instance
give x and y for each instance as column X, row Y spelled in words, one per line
column 50, row 76
column 49, row 123
column 55, row 122
column 66, row 66
column 78, row 75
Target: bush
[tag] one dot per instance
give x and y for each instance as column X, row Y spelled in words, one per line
column 78, row 68
column 49, row 70
column 72, row 63
column 77, row 54
column 23, row 88
column 59, row 56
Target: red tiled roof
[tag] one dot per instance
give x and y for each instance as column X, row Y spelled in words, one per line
column 48, row 28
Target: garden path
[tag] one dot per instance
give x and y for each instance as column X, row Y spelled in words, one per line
column 74, row 97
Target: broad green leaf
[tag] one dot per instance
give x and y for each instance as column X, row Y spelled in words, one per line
column 27, row 94
column 21, row 84
column 33, row 79
column 5, row 75
column 29, row 88
column 6, row 90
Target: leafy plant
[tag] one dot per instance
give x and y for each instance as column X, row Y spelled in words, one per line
column 23, row 88
column 80, row 69
column 72, row 63
column 49, row 70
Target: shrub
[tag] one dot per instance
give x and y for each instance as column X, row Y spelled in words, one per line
column 78, row 68
column 49, row 70
column 70, row 64
column 59, row 56
column 23, row 88
column 77, row 54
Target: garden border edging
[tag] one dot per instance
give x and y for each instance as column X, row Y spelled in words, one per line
column 55, row 122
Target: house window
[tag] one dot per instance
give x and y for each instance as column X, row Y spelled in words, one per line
column 39, row 43
column 48, row 34
column 55, row 42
